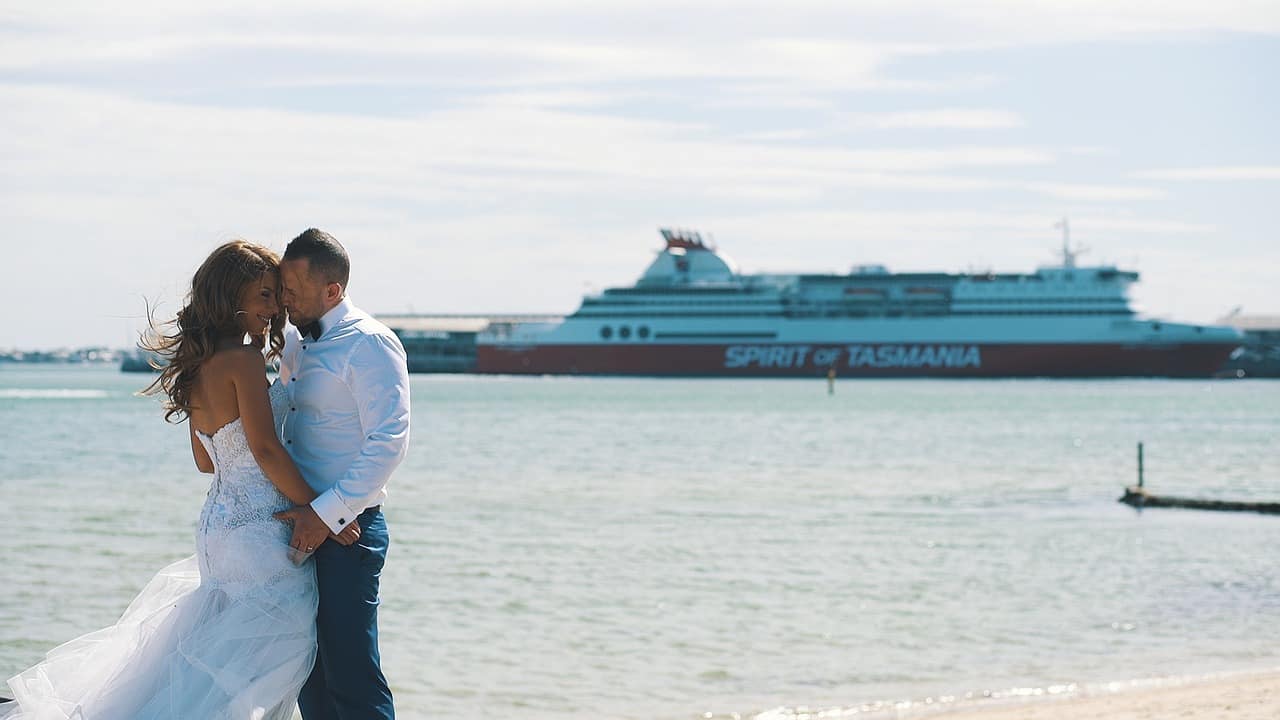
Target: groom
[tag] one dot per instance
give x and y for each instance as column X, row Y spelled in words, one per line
column 347, row 429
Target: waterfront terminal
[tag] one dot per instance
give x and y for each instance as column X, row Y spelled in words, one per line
column 447, row 343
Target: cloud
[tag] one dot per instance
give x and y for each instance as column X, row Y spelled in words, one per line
column 1213, row 174
column 1117, row 193
column 948, row 118
column 823, row 43
column 72, row 138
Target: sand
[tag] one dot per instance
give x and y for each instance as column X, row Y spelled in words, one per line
column 1251, row 696
column 1239, row 696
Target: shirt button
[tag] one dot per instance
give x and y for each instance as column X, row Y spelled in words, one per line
column 293, row 409
column 288, row 442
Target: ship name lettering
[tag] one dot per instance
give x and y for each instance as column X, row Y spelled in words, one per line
column 765, row 356
column 914, row 356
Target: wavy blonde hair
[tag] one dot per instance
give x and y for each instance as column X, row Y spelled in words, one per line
column 211, row 311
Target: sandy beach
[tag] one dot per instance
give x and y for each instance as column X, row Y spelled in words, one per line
column 1246, row 696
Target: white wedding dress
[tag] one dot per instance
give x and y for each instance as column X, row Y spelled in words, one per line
column 227, row 633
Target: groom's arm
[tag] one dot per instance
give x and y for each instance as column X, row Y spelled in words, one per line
column 378, row 377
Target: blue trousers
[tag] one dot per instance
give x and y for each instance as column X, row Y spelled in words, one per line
column 347, row 681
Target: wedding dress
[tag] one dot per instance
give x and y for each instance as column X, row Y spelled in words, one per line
column 227, row 633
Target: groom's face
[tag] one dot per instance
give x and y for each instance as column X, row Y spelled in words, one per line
column 304, row 291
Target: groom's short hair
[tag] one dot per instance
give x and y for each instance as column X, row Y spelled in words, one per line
column 324, row 255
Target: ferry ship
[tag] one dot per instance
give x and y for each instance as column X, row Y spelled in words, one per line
column 692, row 313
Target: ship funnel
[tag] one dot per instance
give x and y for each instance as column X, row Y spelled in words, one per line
column 687, row 260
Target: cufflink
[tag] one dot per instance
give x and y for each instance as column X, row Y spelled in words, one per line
column 342, row 521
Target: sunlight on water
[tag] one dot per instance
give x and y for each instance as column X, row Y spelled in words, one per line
column 51, row 394
column 584, row 548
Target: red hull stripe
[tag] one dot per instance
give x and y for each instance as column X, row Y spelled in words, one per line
column 854, row 360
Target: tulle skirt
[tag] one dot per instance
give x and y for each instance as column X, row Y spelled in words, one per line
column 183, row 650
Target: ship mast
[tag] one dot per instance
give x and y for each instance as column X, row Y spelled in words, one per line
column 1069, row 254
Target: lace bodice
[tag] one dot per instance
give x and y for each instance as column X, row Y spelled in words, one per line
column 229, row 446
column 237, row 515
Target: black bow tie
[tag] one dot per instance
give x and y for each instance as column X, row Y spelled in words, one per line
column 310, row 330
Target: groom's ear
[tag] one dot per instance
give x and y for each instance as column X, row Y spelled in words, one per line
column 333, row 291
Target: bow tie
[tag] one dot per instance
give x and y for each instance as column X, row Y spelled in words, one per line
column 310, row 330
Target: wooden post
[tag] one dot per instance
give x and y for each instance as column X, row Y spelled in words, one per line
column 1139, row 464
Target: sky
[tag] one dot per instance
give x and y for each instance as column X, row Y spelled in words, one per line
column 479, row 156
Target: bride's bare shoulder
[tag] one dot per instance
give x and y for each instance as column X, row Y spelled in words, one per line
column 243, row 361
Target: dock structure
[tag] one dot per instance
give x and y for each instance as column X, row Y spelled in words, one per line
column 1137, row 497
column 443, row 343
column 1259, row 356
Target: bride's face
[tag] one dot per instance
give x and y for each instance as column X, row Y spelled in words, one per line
column 258, row 304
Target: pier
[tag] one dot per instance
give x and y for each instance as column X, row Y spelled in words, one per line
column 1137, row 497
column 443, row 343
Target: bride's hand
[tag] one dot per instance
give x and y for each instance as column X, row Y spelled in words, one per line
column 349, row 535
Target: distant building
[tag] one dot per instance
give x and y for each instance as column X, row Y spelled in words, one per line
column 1260, row 354
column 139, row 360
column 446, row 343
column 62, row 355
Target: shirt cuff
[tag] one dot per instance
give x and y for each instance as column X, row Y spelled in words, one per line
column 333, row 511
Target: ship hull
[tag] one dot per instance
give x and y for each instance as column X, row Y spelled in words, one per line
column 1188, row 360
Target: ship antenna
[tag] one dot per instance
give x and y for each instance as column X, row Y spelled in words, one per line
column 1069, row 254
column 1068, row 257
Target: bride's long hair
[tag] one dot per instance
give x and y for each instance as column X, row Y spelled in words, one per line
column 211, row 311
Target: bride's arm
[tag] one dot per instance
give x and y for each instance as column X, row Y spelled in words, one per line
column 203, row 461
column 249, row 377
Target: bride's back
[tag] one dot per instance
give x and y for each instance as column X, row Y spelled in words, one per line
column 213, row 395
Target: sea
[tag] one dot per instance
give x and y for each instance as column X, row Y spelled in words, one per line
column 702, row 548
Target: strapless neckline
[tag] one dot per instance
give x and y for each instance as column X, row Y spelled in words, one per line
column 225, row 426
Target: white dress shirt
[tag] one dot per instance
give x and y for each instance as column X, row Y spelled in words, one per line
column 347, row 426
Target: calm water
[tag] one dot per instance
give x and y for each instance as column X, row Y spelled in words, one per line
column 583, row 548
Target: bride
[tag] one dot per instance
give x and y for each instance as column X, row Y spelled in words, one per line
column 229, row 632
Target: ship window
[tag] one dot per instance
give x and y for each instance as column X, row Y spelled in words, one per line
column 643, row 331
column 606, row 332
column 624, row 332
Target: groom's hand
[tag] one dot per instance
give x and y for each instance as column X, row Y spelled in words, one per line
column 308, row 529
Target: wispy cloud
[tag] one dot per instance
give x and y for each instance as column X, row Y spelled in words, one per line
column 1116, row 193
column 1213, row 174
column 495, row 144
column 942, row 119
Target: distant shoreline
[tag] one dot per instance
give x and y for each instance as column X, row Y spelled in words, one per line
column 64, row 356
